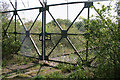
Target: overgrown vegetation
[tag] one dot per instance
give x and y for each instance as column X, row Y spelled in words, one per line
column 66, row 68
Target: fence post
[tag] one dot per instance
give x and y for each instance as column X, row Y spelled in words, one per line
column 43, row 29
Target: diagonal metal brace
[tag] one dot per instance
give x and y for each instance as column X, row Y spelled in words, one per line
column 55, row 46
column 74, row 49
column 55, row 20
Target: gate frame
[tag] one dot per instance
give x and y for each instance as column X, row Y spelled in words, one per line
column 64, row 34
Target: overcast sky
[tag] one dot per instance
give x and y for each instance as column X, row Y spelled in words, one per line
column 57, row 11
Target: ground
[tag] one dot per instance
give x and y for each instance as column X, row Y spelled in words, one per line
column 34, row 68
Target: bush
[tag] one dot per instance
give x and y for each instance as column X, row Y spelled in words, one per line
column 9, row 47
column 39, row 77
column 81, row 74
column 103, row 33
column 66, row 67
column 55, row 75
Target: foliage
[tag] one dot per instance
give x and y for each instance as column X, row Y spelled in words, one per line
column 52, row 75
column 103, row 33
column 80, row 26
column 40, row 77
column 66, row 67
column 62, row 22
column 55, row 75
column 10, row 46
column 81, row 74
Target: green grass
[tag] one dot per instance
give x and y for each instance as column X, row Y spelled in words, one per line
column 66, row 68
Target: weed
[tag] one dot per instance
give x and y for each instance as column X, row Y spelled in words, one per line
column 55, row 75
column 80, row 74
column 39, row 77
column 66, row 67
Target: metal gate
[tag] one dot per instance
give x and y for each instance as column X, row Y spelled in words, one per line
column 44, row 34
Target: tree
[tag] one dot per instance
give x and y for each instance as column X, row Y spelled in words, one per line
column 80, row 26
column 105, row 35
column 5, row 16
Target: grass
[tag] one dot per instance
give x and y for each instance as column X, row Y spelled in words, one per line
column 52, row 75
column 81, row 73
column 66, row 68
column 73, row 71
column 68, row 71
column 55, row 75
column 19, row 60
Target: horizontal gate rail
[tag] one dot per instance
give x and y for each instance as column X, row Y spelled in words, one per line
column 53, row 5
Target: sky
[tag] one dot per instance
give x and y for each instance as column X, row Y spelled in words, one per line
column 57, row 11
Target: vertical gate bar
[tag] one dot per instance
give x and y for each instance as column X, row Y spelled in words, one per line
column 43, row 30
column 67, row 14
column 15, row 17
column 43, row 35
column 87, row 34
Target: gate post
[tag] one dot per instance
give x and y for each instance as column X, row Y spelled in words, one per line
column 43, row 30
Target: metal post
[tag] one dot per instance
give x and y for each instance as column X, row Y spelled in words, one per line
column 15, row 13
column 43, row 30
column 67, row 14
column 87, row 34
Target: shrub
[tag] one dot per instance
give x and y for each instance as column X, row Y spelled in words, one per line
column 66, row 67
column 55, row 75
column 9, row 47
